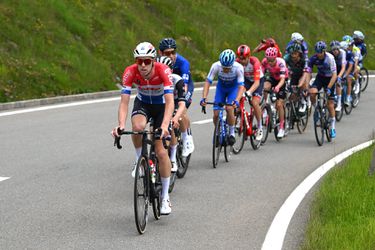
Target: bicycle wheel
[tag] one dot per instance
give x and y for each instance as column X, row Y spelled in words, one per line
column 276, row 129
column 240, row 133
column 156, row 194
column 357, row 96
column 339, row 114
column 227, row 151
column 182, row 162
column 364, row 80
column 288, row 118
column 216, row 145
column 172, row 181
column 141, row 194
column 254, row 143
column 348, row 109
column 266, row 122
column 302, row 120
column 319, row 126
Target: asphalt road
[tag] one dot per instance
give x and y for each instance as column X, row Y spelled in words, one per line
column 69, row 188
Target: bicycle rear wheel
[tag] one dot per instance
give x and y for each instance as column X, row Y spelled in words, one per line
column 240, row 133
column 216, row 145
column 319, row 126
column 141, row 194
column 339, row 114
column 266, row 122
column 227, row 152
column 183, row 163
column 303, row 119
column 364, row 80
column 327, row 126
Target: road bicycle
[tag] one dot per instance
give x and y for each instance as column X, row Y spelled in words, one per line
column 321, row 119
column 182, row 162
column 292, row 105
column 246, row 126
column 147, row 182
column 363, row 78
column 220, row 136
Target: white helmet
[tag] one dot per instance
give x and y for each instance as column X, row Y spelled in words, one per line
column 344, row 45
column 297, row 37
column 144, row 49
column 358, row 34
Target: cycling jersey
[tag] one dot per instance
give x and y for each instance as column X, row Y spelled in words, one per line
column 148, row 91
column 181, row 67
column 253, row 72
column 326, row 66
column 178, row 86
column 305, row 51
column 362, row 46
column 340, row 59
column 357, row 53
column 277, row 71
column 234, row 77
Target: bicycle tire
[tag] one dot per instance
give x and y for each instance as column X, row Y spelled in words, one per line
column 156, row 196
column 183, row 164
column 357, row 97
column 339, row 114
column 254, row 143
column 266, row 122
column 216, row 145
column 348, row 109
column 141, row 198
column 288, row 118
column 227, row 151
column 302, row 121
column 319, row 126
column 364, row 73
column 172, row 181
column 327, row 126
column 240, row 133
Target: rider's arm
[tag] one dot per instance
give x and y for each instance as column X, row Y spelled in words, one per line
column 185, row 73
column 257, row 70
column 334, row 73
column 123, row 110
column 179, row 87
column 209, row 79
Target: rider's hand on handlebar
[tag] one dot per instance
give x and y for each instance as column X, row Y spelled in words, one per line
column 328, row 91
column 235, row 104
column 203, row 102
column 115, row 131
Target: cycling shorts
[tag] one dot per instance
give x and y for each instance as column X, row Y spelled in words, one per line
column 154, row 111
column 259, row 91
column 282, row 93
column 225, row 95
column 322, row 81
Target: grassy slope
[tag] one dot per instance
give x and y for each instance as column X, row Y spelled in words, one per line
column 342, row 215
column 59, row 47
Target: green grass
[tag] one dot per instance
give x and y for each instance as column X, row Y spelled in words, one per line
column 343, row 211
column 59, row 47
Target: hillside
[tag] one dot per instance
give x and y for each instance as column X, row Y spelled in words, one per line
column 60, row 47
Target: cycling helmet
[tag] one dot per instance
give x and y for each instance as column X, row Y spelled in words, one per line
column 358, row 34
column 344, row 45
column 295, row 47
column 271, row 52
column 320, row 47
column 270, row 42
column 165, row 60
column 297, row 37
column 167, row 43
column 144, row 49
column 335, row 45
column 227, row 58
column 347, row 38
column 244, row 51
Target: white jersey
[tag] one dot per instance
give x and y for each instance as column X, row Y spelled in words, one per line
column 234, row 77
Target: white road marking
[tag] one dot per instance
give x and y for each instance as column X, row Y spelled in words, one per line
column 4, row 178
column 276, row 233
column 202, row 121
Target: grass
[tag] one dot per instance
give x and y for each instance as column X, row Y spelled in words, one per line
column 343, row 212
column 59, row 47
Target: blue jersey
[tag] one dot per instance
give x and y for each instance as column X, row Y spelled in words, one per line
column 182, row 68
column 326, row 66
column 362, row 47
column 349, row 57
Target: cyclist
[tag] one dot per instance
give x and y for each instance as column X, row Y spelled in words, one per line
column 298, row 70
column 340, row 59
column 180, row 107
column 349, row 70
column 298, row 38
column 359, row 41
column 154, row 100
column 267, row 43
column 326, row 77
column 357, row 57
column 276, row 73
column 254, row 82
column 230, row 78
column 181, row 67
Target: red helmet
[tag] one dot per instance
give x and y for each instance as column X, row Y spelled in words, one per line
column 271, row 52
column 243, row 50
column 270, row 42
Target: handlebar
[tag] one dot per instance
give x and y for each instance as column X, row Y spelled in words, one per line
column 220, row 104
column 157, row 134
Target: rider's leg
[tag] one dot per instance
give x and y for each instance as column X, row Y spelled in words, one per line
column 138, row 124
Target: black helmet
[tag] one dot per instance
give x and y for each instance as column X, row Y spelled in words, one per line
column 167, row 43
column 295, row 47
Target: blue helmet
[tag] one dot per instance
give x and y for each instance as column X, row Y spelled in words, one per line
column 347, row 38
column 320, row 47
column 227, row 58
column 334, row 44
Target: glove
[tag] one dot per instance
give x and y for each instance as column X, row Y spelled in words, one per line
column 277, row 89
column 203, row 101
column 328, row 91
column 236, row 103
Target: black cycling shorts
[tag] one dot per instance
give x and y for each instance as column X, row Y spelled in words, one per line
column 154, row 111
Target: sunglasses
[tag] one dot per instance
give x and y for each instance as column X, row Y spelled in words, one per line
column 269, row 59
column 143, row 61
column 242, row 58
column 168, row 53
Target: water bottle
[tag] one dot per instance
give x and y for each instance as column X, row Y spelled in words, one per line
column 152, row 171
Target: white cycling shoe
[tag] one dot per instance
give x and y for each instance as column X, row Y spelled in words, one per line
column 281, row 133
column 259, row 135
column 188, row 146
column 165, row 207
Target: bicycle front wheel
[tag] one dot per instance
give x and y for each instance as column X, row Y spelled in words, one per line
column 303, row 119
column 216, row 145
column 266, row 122
column 183, row 162
column 141, row 194
column 364, row 80
column 254, row 143
column 240, row 133
column 319, row 126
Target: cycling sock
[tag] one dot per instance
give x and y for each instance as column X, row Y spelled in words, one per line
column 189, row 131
column 260, row 124
column 173, row 152
column 183, row 135
column 282, row 125
column 138, row 152
column 333, row 122
column 165, row 185
column 339, row 100
column 231, row 130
